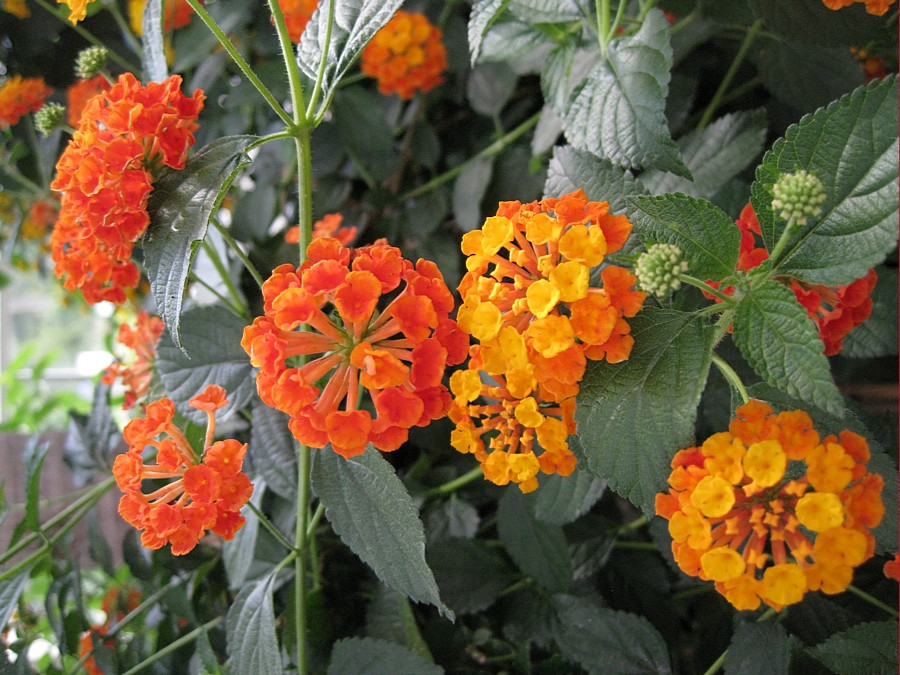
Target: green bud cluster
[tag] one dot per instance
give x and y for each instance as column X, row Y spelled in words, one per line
column 658, row 269
column 90, row 61
column 49, row 117
column 797, row 196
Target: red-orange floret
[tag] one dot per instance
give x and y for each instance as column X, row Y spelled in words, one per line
column 142, row 339
column 80, row 93
column 20, row 96
column 297, row 14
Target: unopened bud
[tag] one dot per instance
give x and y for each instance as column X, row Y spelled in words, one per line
column 49, row 117
column 658, row 269
column 798, row 196
column 90, row 61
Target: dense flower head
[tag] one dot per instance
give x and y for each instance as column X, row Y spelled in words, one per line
column 528, row 301
column 328, row 308
column 658, row 269
column 769, row 510
column 877, row 7
column 206, row 490
column 797, row 196
column 297, row 14
column 407, row 55
column 20, row 96
column 328, row 226
column 105, row 175
column 80, row 93
column 891, row 568
column 49, row 117
column 142, row 340
column 89, row 62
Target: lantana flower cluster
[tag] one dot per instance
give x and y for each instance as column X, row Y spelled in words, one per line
column 206, row 490
column 142, row 340
column 329, row 307
column 768, row 510
column 126, row 135
column 407, row 55
column 20, row 96
column 297, row 14
column 877, row 7
column 528, row 301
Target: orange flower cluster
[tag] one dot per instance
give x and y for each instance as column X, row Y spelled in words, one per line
column 207, row 493
column 115, row 607
column 768, row 510
column 125, row 135
column 20, row 96
column 527, row 299
column 892, row 568
column 142, row 339
column 329, row 226
column 836, row 310
column 877, row 7
column 80, row 93
column 328, row 306
column 297, row 14
column 406, row 56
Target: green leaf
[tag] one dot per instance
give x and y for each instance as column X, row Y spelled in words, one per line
column 714, row 155
column 10, row 590
column 510, row 39
column 452, row 518
column 563, row 499
column 781, row 343
column 92, row 440
column 273, row 450
column 489, row 87
column 468, row 191
column 370, row 509
column 635, row 415
column 811, row 21
column 483, row 14
column 539, row 549
column 602, row 640
column 390, row 617
column 852, row 147
column 864, row 649
column 759, row 648
column 364, row 131
column 877, row 335
column 566, row 67
column 619, row 111
column 34, row 455
column 353, row 25
column 601, row 180
column 153, row 54
column 377, row 657
column 546, row 11
column 706, row 236
column 250, row 628
column 453, row 561
column 180, row 206
column 238, row 553
column 212, row 337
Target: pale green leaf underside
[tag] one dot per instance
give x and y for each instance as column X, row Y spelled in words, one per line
column 482, row 15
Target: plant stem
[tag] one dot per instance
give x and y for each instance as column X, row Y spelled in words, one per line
column 300, row 538
column 602, row 7
column 733, row 378
column 317, row 88
column 248, row 265
column 716, row 101
column 633, row 525
column 266, row 523
column 174, row 645
column 872, row 601
column 217, row 262
column 453, row 485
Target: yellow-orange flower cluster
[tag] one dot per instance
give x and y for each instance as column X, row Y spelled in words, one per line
column 105, row 174
column 406, row 56
column 877, row 7
column 77, row 9
column 142, row 339
column 297, row 14
column 768, row 510
column 527, row 299
column 20, row 96
column 208, row 490
column 328, row 307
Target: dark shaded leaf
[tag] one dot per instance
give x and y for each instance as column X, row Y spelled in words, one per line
column 352, row 656
column 759, row 648
column 250, row 627
column 864, row 649
column 453, row 561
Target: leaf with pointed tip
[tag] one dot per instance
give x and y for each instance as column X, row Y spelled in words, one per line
column 759, row 648
column 618, row 112
column 180, row 206
column 273, row 450
column 250, row 628
column 601, row 180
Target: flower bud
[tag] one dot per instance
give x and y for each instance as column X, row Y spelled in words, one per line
column 797, row 196
column 658, row 269
column 90, row 61
column 49, row 117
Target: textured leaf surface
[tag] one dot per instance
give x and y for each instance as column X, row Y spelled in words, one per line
column 377, row 657
column 563, row 499
column 390, row 617
column 250, row 627
column 565, row 68
column 10, row 590
column 453, row 561
column 180, row 206
column 634, row 416
column 852, row 147
column 353, row 25
column 273, row 450
column 781, row 343
column 483, row 14
column 600, row 179
column 619, row 111
column 864, row 649
column 546, row 11
column 452, row 518
column 706, row 236
column 212, row 337
column 758, row 648
column 606, row 641
column 374, row 515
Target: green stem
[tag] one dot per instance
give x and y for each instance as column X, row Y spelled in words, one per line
column 239, row 61
column 266, row 523
column 872, row 601
column 620, row 12
column 716, row 101
column 239, row 312
column 788, row 233
column 704, row 286
column 175, row 645
column 233, row 245
column 453, row 485
column 217, row 262
column 290, row 64
column 632, row 526
column 602, row 7
column 733, row 378
column 317, row 88
column 491, row 150
column 124, row 27
column 300, row 538
column 636, row 546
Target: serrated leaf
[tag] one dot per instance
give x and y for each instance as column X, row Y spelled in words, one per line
column 601, row 180
column 714, row 155
column 563, row 499
column 489, row 86
column 705, row 234
column 10, row 590
column 377, row 657
column 539, row 549
column 619, row 111
column 212, row 337
column 758, row 648
column 546, row 11
column 364, row 131
column 340, row 38
column 453, row 561
column 153, row 54
column 273, row 450
column 565, row 68
column 781, row 343
column 370, row 509
column 864, row 649
column 634, row 416
column 180, row 206
column 602, row 640
column 877, row 335
column 250, row 628
column 510, row 39
column 851, row 146
column 482, row 15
